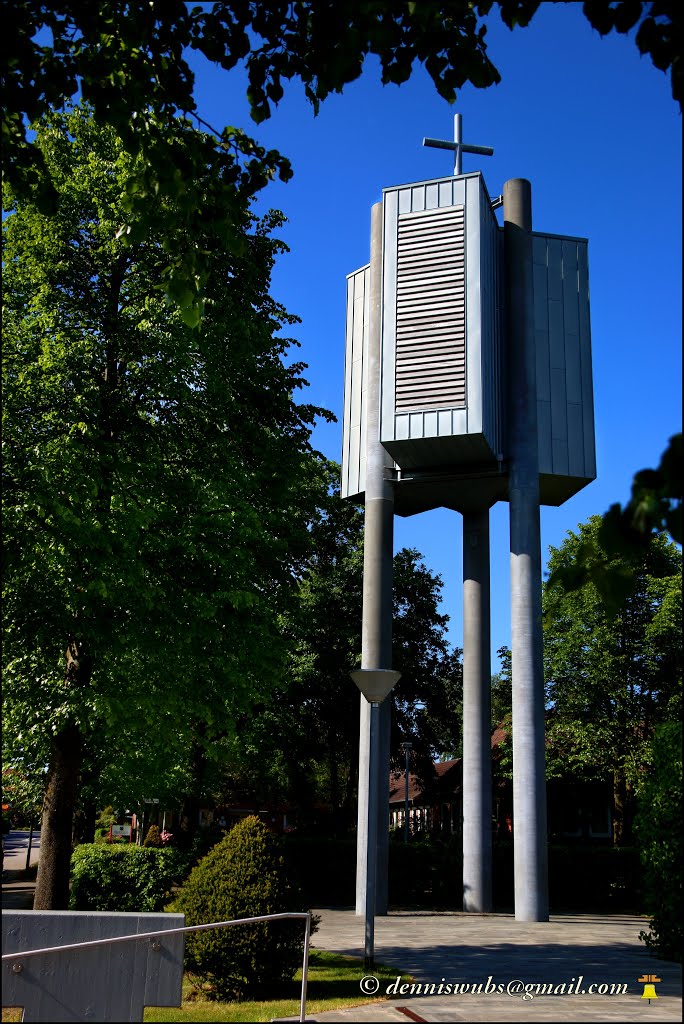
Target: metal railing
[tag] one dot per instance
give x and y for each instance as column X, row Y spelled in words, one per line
column 17, row 967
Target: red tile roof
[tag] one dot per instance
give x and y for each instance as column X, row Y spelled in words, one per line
column 416, row 789
column 450, row 787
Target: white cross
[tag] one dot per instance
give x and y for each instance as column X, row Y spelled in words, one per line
column 457, row 145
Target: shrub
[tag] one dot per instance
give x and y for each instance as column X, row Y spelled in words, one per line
column 153, row 837
column 242, row 876
column 658, row 827
column 124, row 878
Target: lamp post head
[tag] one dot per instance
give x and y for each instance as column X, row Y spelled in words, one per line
column 406, row 747
column 375, row 683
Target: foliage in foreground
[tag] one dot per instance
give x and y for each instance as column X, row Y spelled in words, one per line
column 131, row 59
column 242, row 876
column 659, row 830
column 128, row 879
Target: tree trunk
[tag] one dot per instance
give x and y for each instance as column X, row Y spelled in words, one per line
column 189, row 816
column 52, row 884
column 61, row 792
column 623, row 818
column 333, row 784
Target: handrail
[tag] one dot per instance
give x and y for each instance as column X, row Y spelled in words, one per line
column 191, row 928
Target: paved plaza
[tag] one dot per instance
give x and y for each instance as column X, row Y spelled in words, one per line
column 494, row 949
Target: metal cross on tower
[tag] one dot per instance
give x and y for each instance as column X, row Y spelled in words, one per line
column 457, row 145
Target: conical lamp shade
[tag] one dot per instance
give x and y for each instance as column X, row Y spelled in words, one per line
column 375, row 683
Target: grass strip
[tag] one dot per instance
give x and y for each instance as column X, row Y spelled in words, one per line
column 333, row 983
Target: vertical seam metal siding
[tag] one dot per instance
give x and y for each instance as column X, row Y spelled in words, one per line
column 388, row 328
column 564, row 387
column 355, row 382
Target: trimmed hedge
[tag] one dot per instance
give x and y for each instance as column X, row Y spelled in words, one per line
column 123, row 878
column 424, row 873
column 244, row 875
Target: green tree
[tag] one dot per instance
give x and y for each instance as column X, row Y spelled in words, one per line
column 612, row 676
column 659, row 832
column 502, row 689
column 607, row 556
column 440, row 718
column 129, row 60
column 22, row 789
column 158, row 481
column 303, row 743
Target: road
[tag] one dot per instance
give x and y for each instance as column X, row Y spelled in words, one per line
column 16, row 847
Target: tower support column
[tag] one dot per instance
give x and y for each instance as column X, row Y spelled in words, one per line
column 477, row 771
column 376, row 627
column 529, row 770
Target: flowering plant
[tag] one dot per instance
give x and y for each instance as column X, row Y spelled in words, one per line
column 165, row 837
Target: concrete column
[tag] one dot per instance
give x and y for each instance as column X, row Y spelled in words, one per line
column 362, row 805
column 381, row 803
column 529, row 773
column 376, row 629
column 384, row 736
column 477, row 770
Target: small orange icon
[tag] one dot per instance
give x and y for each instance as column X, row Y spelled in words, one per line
column 649, row 986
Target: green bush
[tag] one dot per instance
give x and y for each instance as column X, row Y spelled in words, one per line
column 658, row 827
column 123, row 878
column 153, row 837
column 242, row 876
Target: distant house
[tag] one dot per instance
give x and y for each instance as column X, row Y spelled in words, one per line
column 576, row 810
column 435, row 806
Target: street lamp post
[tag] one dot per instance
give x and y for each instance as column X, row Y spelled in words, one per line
column 375, row 685
column 406, row 747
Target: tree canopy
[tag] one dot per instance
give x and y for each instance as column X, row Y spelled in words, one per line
column 612, row 675
column 129, row 61
column 302, row 744
column 158, row 482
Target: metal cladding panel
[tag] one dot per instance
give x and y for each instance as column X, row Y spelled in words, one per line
column 493, row 321
column 565, row 400
column 353, row 480
column 441, row 307
column 114, row 982
column 474, row 306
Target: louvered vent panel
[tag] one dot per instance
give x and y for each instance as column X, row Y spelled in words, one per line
column 431, row 350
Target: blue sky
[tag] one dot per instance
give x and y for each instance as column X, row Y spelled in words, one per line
column 594, row 128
